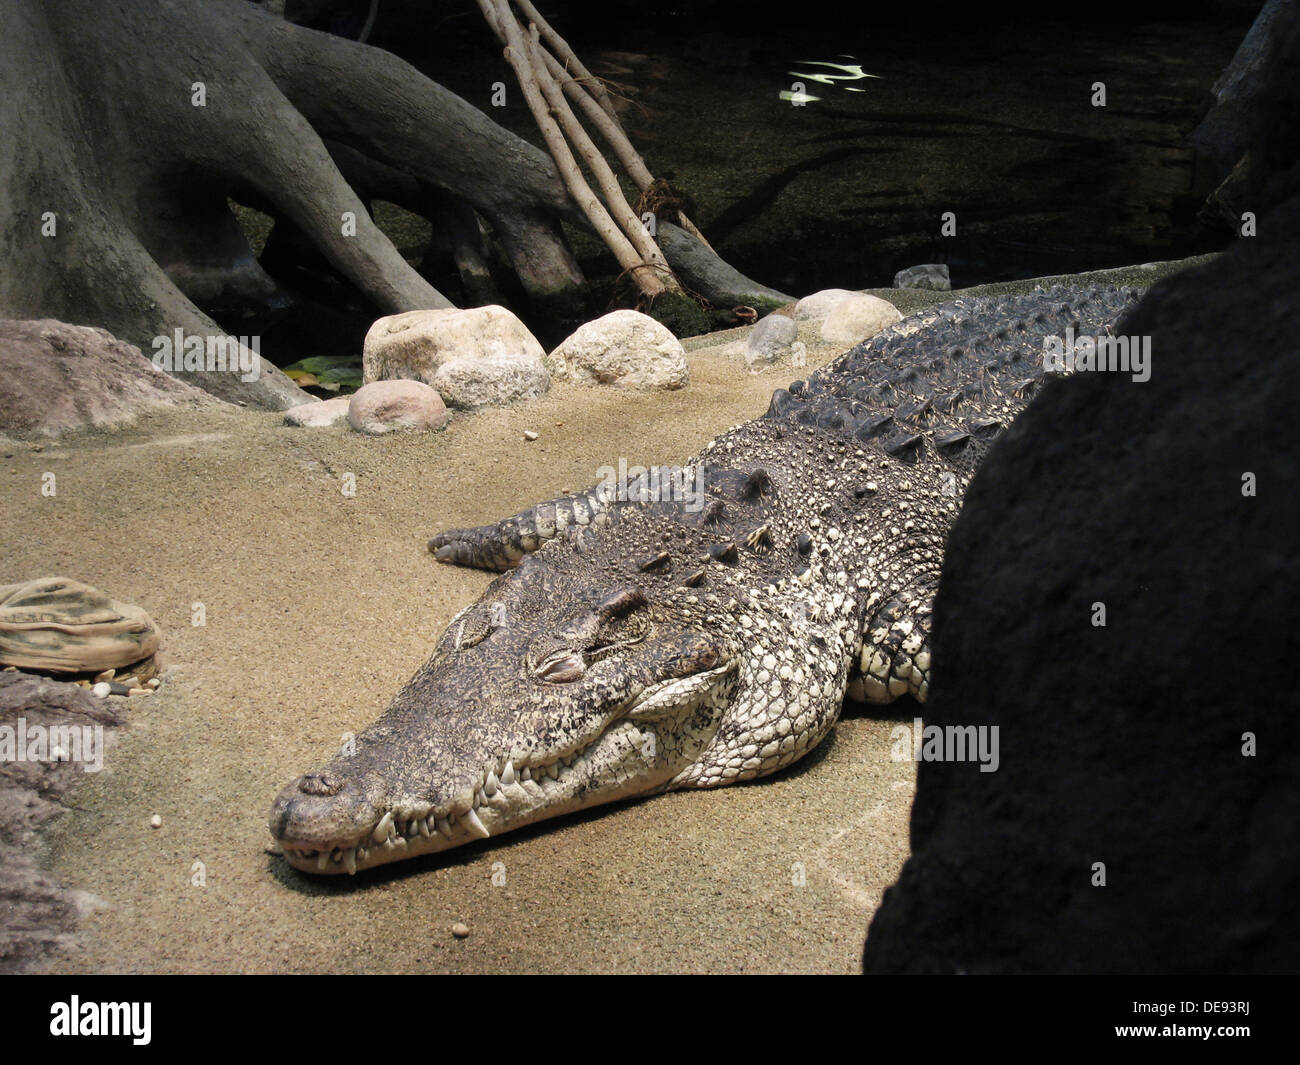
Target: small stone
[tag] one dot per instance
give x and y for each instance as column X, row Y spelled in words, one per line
column 103, row 689
column 155, row 821
column 140, row 691
column 118, row 689
column 530, row 435
column 460, row 930
column 131, row 682
column 108, row 674
column 152, row 682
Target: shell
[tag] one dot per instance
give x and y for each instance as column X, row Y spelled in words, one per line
column 63, row 626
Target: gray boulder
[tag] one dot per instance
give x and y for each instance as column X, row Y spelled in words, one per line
column 931, row 276
column 770, row 338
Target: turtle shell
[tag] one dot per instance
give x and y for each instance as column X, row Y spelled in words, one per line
column 63, row 626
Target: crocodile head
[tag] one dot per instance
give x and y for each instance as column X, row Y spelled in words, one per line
column 570, row 683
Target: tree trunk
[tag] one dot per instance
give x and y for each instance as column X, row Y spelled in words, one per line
column 126, row 125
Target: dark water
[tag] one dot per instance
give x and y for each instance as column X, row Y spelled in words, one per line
column 992, row 121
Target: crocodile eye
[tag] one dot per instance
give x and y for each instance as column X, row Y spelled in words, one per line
column 474, row 625
column 561, row 667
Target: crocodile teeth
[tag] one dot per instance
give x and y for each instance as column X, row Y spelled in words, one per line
column 381, row 832
column 423, row 828
column 443, row 826
column 490, row 787
column 525, row 774
column 350, row 860
column 508, row 774
column 475, row 826
column 322, row 861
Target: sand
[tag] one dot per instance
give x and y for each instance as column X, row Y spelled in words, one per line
column 317, row 608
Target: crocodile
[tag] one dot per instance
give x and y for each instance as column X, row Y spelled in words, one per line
column 696, row 626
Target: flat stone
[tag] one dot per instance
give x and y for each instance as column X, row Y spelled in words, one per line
column 55, row 377
column 394, row 406
column 322, row 413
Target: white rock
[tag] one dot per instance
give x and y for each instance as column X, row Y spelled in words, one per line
column 820, row 304
column 471, row 384
column 323, row 412
column 769, row 339
column 387, row 406
column 414, row 344
column 624, row 348
column 156, row 821
column 101, row 689
column 858, row 318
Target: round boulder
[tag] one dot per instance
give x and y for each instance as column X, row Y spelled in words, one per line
column 393, row 406
column 624, row 348
column 415, row 344
column 820, row 304
column 472, row 384
column 858, row 318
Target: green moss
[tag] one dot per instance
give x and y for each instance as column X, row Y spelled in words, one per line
column 681, row 314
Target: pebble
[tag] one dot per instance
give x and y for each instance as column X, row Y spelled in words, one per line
column 530, row 435
column 103, row 689
column 131, row 682
column 108, row 674
column 139, row 691
column 118, row 689
column 460, row 930
column 156, row 821
column 152, row 682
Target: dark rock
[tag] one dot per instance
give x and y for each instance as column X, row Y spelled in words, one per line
column 1123, row 744
column 38, row 915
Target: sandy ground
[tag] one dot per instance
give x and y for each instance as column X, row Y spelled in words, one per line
column 318, row 607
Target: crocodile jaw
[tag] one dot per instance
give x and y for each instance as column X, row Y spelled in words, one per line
column 653, row 740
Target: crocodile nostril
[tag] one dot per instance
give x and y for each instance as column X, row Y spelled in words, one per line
column 318, row 784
